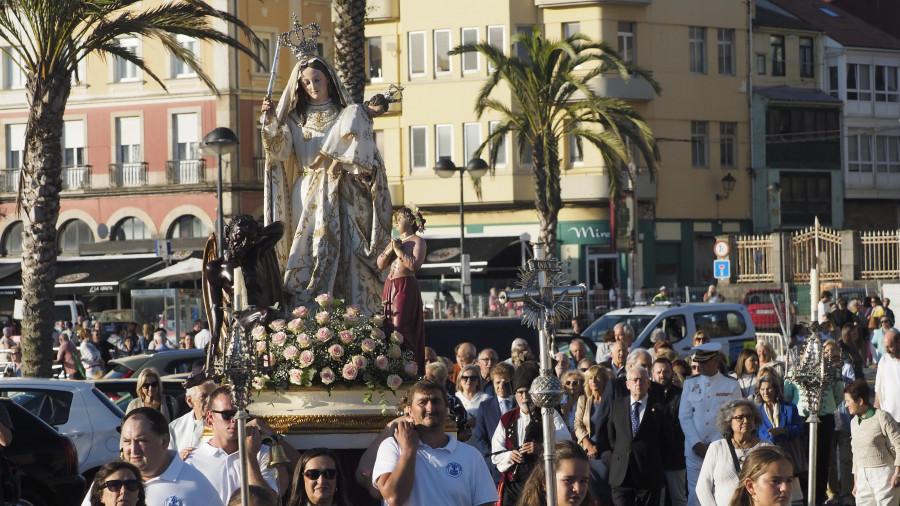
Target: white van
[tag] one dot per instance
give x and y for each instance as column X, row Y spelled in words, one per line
column 68, row 310
column 726, row 323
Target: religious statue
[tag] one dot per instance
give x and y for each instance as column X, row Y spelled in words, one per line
column 244, row 281
column 326, row 180
column 403, row 298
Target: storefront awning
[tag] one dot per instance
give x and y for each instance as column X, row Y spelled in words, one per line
column 95, row 275
column 486, row 254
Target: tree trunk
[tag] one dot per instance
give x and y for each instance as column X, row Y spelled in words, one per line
column 350, row 45
column 547, row 197
column 40, row 182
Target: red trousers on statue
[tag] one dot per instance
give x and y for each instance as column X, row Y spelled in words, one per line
column 405, row 308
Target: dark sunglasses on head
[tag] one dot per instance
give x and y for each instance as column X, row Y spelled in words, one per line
column 573, row 382
column 116, row 485
column 154, row 384
column 468, row 378
column 583, row 369
column 227, row 414
column 314, row 474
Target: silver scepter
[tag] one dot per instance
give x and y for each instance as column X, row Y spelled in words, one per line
column 267, row 182
column 271, row 81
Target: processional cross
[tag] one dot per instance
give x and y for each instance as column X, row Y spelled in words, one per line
column 546, row 302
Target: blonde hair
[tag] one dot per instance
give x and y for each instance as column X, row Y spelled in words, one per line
column 143, row 377
column 595, row 370
column 755, row 465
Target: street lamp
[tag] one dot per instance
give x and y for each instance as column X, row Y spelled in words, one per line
column 774, row 188
column 727, row 186
column 446, row 168
column 220, row 141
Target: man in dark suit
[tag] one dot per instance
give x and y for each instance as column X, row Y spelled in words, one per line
column 489, row 412
column 673, row 457
column 636, row 434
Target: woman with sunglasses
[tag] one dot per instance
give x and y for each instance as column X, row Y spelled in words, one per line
column 149, row 390
column 117, row 484
column 318, row 480
column 573, row 385
column 469, row 390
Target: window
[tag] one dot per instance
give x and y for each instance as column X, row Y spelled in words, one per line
column 263, row 50
column 469, row 60
column 803, row 135
column 674, row 326
column 626, row 41
column 574, row 149
column 777, row 43
column 471, row 139
column 441, row 52
column 12, row 68
column 500, row 161
column 527, row 154
column 125, row 70
column 187, row 136
column 885, row 84
column 521, row 52
column 727, row 144
column 12, row 239
column 373, row 58
column 804, row 196
column 887, row 153
column 418, row 151
column 496, row 36
column 697, row 37
column 859, row 153
column 15, row 146
column 187, row 227
column 700, row 143
column 859, row 82
column 570, row 29
column 720, row 323
column 51, row 406
column 416, row 54
column 807, row 63
column 180, row 68
column 725, row 47
column 73, row 234
column 128, row 152
column 73, row 143
column 833, row 80
column 129, row 229
column 443, row 141
column 761, row 64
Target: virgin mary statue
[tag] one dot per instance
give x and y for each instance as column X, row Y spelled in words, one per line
column 326, row 180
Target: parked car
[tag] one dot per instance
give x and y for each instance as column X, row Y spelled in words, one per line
column 165, row 362
column 765, row 305
column 45, row 462
column 727, row 323
column 76, row 410
column 123, row 390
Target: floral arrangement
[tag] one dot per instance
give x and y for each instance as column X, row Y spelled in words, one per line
column 329, row 345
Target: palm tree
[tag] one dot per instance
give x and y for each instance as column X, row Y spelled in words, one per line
column 350, row 45
column 552, row 98
column 48, row 38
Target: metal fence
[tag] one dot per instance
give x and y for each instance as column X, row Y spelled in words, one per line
column 879, row 254
column 755, row 257
column 805, row 244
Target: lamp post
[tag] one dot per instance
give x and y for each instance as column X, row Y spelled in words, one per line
column 775, row 189
column 219, row 141
column 728, row 183
column 476, row 168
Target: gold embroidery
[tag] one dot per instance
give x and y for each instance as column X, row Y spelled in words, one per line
column 319, row 118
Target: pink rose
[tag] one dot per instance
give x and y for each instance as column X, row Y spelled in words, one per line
column 354, row 309
column 324, row 334
column 377, row 320
column 378, row 334
column 258, row 333
column 291, row 352
column 394, row 381
column 336, row 351
column 303, row 340
column 381, row 362
column 259, row 382
column 322, row 318
column 306, row 358
column 359, row 361
column 300, row 312
column 260, row 346
column 296, row 376
column 327, row 376
column 350, row 371
column 325, row 300
column 279, row 338
column 295, row 325
column 394, row 351
column 411, row 368
column 351, row 320
column 346, row 336
column 277, row 325
column 396, row 337
column 368, row 345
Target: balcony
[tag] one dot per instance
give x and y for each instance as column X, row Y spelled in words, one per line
column 9, row 180
column 567, row 3
column 186, row 171
column 381, row 10
column 792, row 153
column 635, row 88
column 128, row 174
column 259, row 168
column 76, row 177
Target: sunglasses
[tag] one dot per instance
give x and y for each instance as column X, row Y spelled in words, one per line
column 573, row 383
column 116, row 485
column 314, row 474
column 149, row 385
column 583, row 369
column 468, row 378
column 227, row 414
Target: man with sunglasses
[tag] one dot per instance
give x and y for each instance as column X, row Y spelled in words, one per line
column 167, row 480
column 218, row 458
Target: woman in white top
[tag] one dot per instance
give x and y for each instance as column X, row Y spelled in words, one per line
column 875, row 441
column 738, row 420
column 469, row 390
column 91, row 359
column 745, row 369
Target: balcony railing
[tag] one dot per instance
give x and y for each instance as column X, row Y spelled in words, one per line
column 76, row 177
column 259, row 168
column 186, row 171
column 9, row 180
column 127, row 174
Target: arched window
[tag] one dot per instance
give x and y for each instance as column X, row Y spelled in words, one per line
column 12, row 240
column 187, row 227
column 129, row 229
column 73, row 233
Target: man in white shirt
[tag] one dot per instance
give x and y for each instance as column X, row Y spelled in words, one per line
column 218, row 458
column 187, row 429
column 201, row 338
column 422, row 465
column 167, row 480
column 887, row 379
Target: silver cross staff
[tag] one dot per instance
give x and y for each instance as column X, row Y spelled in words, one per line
column 544, row 300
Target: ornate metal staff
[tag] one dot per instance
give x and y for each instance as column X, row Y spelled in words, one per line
column 543, row 295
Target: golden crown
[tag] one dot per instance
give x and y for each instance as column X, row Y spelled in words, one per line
column 301, row 40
